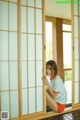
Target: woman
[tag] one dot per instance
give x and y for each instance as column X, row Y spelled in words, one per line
column 56, row 94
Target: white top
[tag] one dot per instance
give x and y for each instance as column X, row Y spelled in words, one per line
column 48, row 78
column 57, row 86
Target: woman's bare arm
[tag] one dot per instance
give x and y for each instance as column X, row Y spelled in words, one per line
column 49, row 90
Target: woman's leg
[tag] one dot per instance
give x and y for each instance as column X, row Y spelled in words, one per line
column 51, row 102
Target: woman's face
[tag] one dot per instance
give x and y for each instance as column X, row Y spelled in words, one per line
column 50, row 71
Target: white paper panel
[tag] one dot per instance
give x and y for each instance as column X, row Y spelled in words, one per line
column 14, row 104
column 0, row 95
column 39, row 73
column 4, row 76
column 14, row 0
column 23, row 2
column 3, row 15
column 31, row 20
column 5, row 101
column 75, row 9
column 76, row 48
column 13, row 46
column 39, row 3
column 24, row 74
column 24, row 102
column 39, row 99
column 13, row 75
column 38, row 21
column 13, row 17
column 31, row 73
column 31, row 47
column 23, row 19
column 31, row 3
column 24, row 46
column 3, row 45
column 38, row 47
column 75, row 26
column 76, row 70
column 76, row 93
column 31, row 100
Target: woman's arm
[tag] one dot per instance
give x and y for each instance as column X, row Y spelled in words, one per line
column 49, row 90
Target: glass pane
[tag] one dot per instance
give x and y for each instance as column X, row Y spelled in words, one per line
column 13, row 17
column 3, row 15
column 23, row 19
column 68, row 87
column 38, row 21
column 31, row 100
column 31, row 73
column 39, row 3
column 14, row 104
column 13, row 75
column 13, row 46
column 24, row 102
column 39, row 99
column 66, row 27
column 75, row 26
column 3, row 45
column 68, row 75
column 31, row 20
column 75, row 9
column 13, row 0
column 49, row 42
column 5, row 101
column 76, row 48
column 24, row 74
column 24, row 46
column 76, row 96
column 4, row 76
column 39, row 73
column 31, row 3
column 67, row 53
column 23, row 2
column 76, row 70
column 31, row 47
column 38, row 47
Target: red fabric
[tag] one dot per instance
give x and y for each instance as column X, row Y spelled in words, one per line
column 61, row 107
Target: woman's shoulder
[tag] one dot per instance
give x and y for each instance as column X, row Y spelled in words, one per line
column 58, row 78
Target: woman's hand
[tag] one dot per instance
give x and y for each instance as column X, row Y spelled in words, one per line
column 45, row 80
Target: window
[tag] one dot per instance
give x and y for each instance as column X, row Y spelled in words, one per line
column 49, row 43
column 67, row 60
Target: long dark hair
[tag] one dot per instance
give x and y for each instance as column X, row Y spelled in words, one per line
column 53, row 66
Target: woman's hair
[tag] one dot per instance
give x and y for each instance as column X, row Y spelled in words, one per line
column 53, row 66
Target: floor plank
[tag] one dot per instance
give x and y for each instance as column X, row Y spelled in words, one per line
column 75, row 115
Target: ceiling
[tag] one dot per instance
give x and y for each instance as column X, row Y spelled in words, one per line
column 57, row 10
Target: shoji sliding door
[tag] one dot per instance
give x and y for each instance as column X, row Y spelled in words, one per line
column 31, row 48
column 76, row 52
column 21, row 41
column 9, row 90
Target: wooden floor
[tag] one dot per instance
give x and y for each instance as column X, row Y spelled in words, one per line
column 75, row 115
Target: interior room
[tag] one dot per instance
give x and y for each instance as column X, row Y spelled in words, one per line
column 33, row 32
